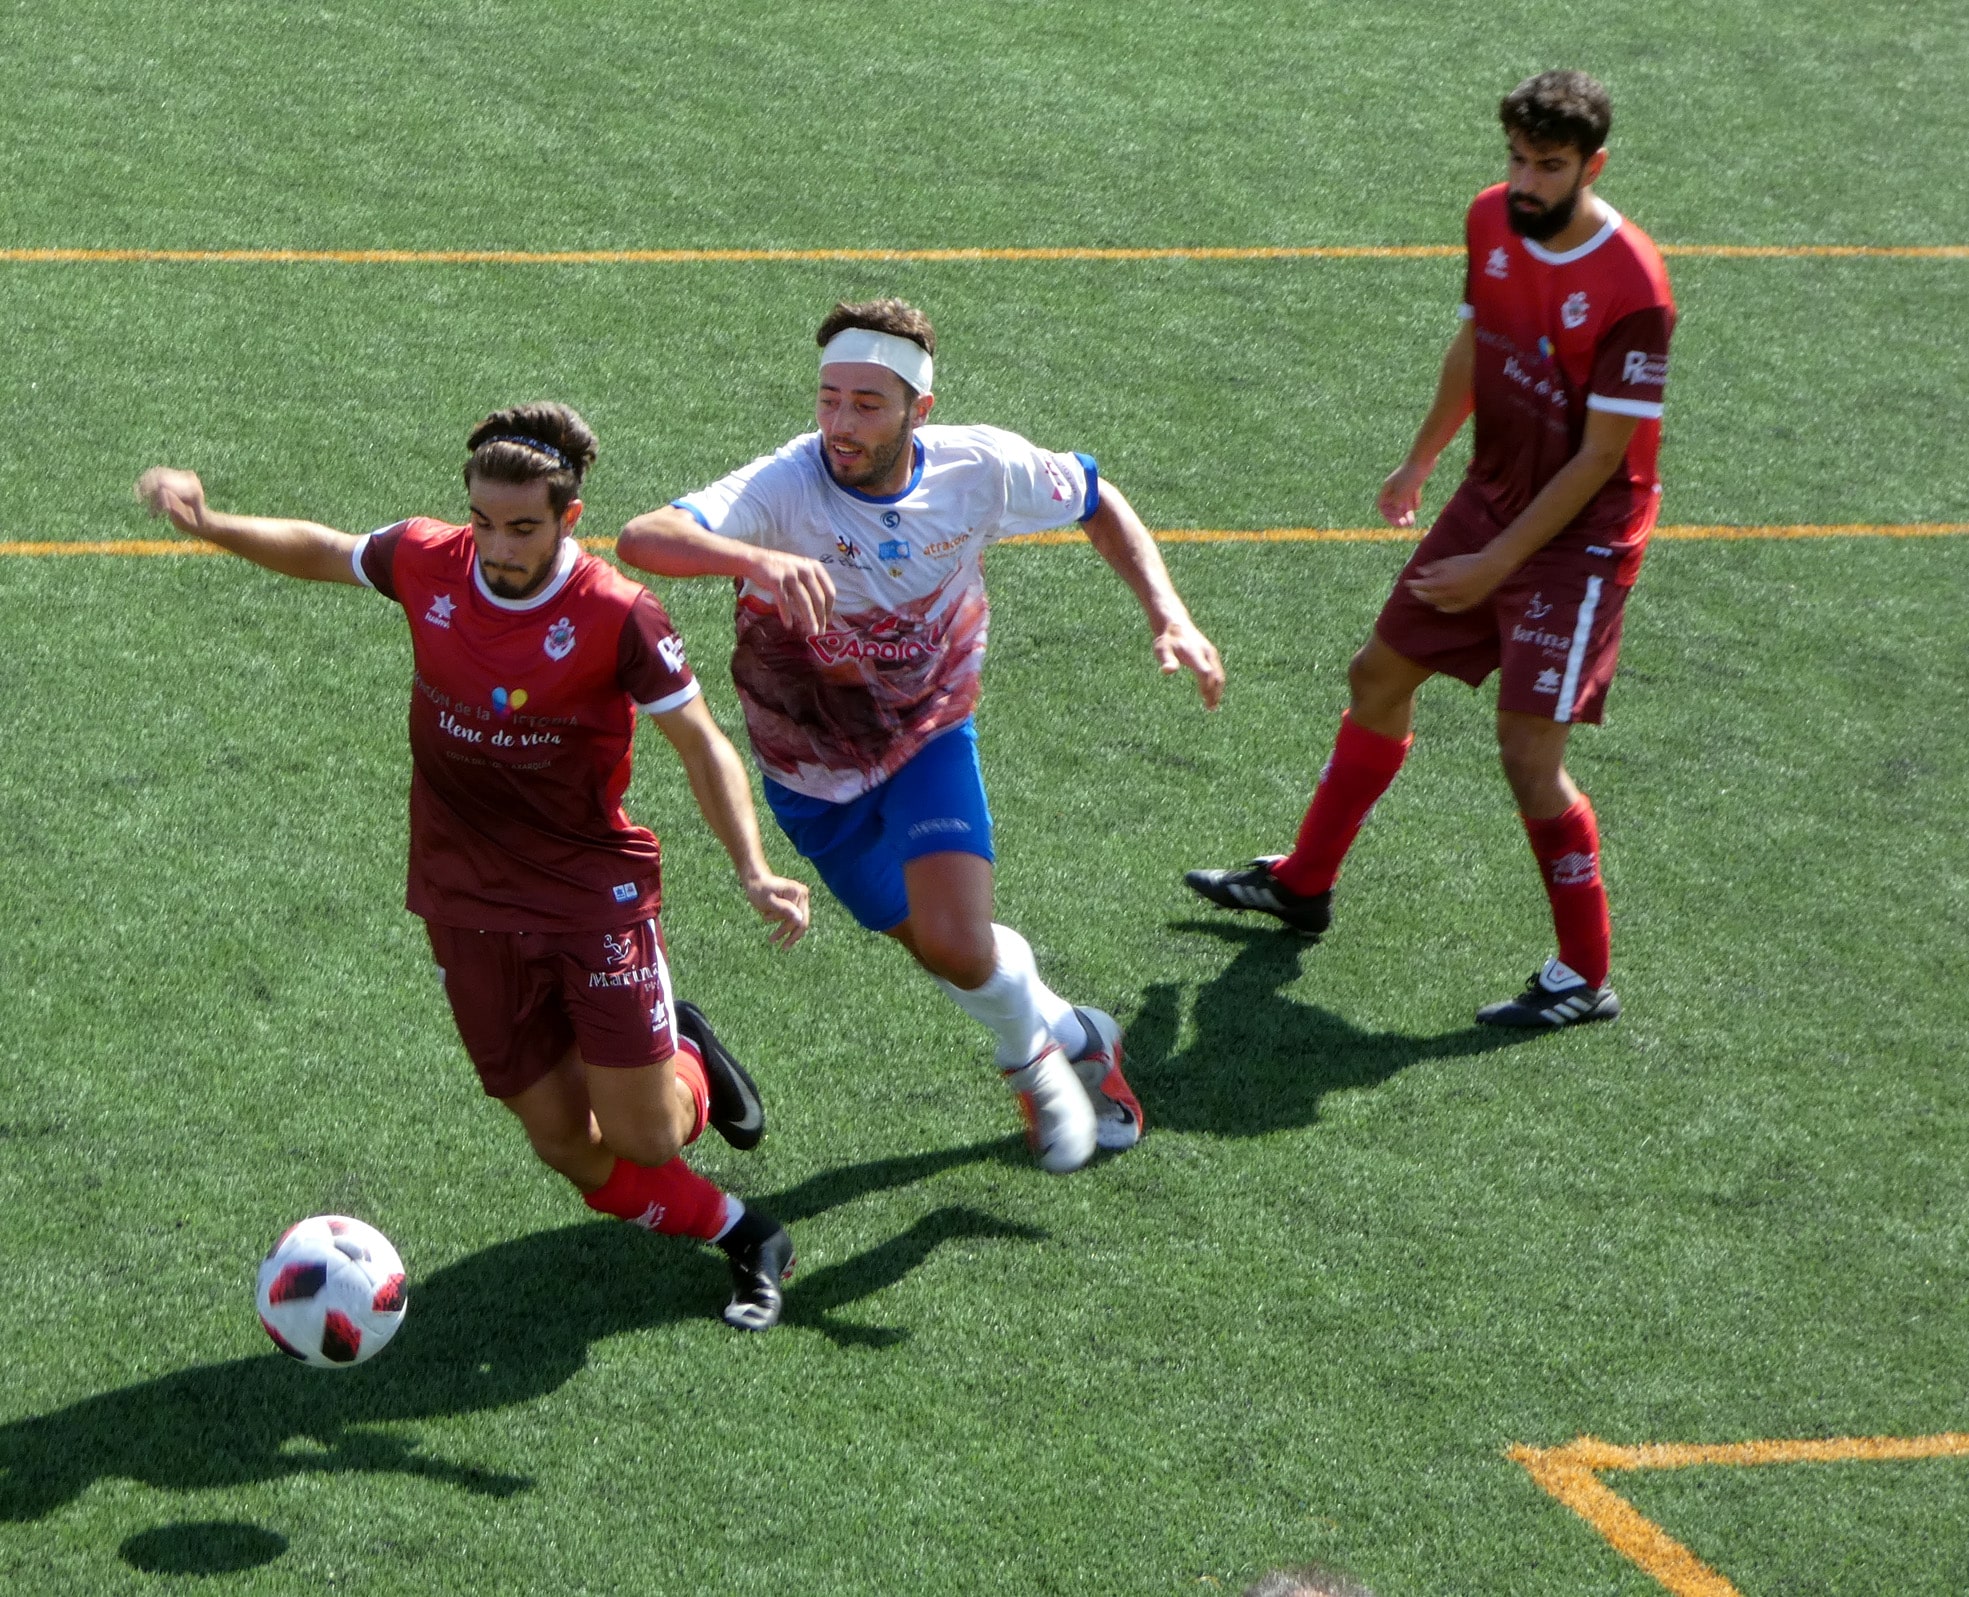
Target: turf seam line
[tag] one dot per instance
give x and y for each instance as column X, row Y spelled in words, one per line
column 1570, row 1475
column 140, row 547
column 61, row 255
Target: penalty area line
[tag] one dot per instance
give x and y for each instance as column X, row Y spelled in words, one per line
column 1570, row 1474
column 146, row 547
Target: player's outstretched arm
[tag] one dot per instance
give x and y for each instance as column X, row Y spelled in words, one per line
column 302, row 549
column 1124, row 543
column 1456, row 395
column 669, row 543
column 724, row 797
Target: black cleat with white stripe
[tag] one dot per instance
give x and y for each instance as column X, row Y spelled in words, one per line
column 1557, row 995
column 1255, row 887
column 761, row 1257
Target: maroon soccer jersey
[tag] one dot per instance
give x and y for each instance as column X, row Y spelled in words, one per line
column 1557, row 335
column 521, row 717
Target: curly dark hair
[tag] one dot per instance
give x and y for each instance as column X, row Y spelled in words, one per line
column 508, row 447
column 1560, row 107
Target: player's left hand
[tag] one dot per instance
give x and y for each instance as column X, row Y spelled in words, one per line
column 780, row 899
column 1180, row 644
column 1457, row 583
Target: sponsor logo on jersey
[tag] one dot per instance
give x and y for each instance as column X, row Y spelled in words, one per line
column 1538, row 609
column 506, row 703
column 892, row 519
column 671, row 651
column 1499, row 264
column 847, row 550
column 889, row 641
column 1574, row 870
column 944, row 546
column 560, row 639
column 1641, row 367
column 617, row 948
column 1574, row 311
column 623, row 891
column 1062, row 489
column 1548, row 681
column 893, row 549
column 439, row 615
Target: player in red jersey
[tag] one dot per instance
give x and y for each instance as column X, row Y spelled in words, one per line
column 539, row 894
column 1563, row 357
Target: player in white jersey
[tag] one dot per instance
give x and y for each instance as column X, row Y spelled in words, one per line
column 858, row 550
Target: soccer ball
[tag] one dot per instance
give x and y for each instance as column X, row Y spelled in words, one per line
column 331, row 1291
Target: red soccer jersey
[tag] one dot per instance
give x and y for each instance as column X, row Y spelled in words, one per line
column 1559, row 335
column 521, row 716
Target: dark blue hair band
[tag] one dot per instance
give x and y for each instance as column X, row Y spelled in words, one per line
column 531, row 443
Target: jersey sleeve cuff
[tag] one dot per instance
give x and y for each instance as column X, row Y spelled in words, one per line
column 1092, row 502
column 692, row 511
column 355, row 560
column 1646, row 409
column 1466, row 312
column 673, row 701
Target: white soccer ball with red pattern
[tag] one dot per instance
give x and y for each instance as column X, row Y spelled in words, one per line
column 332, row 1291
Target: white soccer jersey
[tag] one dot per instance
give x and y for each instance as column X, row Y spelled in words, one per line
column 833, row 716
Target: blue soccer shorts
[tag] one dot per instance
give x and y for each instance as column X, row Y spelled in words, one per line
column 934, row 805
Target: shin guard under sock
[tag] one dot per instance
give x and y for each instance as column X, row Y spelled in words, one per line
column 1362, row 766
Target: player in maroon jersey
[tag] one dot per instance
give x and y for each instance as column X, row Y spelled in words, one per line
column 1563, row 357
column 539, row 894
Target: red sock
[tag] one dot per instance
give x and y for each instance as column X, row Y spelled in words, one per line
column 1362, row 766
column 690, row 1071
column 1568, row 851
column 671, row 1198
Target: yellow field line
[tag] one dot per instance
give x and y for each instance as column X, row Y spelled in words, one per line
column 696, row 257
column 1569, row 1474
column 1932, row 529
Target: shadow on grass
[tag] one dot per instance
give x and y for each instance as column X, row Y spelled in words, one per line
column 507, row 1325
column 1261, row 1061
column 214, row 1547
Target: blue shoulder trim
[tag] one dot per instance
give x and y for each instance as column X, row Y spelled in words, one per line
column 692, row 511
column 1093, row 470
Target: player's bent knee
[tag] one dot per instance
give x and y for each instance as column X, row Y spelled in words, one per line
column 960, row 954
column 643, row 1142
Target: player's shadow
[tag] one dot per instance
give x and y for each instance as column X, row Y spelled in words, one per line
column 1261, row 1061
column 507, row 1325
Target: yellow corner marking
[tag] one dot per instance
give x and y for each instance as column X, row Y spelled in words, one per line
column 1570, row 1475
column 1065, row 535
column 711, row 257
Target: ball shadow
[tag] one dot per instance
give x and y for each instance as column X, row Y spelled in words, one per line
column 214, row 1547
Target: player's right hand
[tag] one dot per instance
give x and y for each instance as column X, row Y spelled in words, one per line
column 176, row 495
column 781, row 899
column 803, row 589
column 1401, row 495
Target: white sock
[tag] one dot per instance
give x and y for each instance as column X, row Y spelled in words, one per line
column 1022, row 1012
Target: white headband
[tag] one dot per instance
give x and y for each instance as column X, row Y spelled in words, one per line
column 906, row 358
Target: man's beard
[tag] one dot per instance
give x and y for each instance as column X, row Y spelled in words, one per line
column 877, row 466
column 1547, row 223
column 507, row 587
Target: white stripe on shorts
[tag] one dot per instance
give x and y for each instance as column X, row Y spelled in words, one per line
column 1582, row 629
column 664, row 994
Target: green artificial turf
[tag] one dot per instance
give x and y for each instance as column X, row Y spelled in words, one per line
column 1366, row 1246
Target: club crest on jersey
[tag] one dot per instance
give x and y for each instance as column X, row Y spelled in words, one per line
column 439, row 615
column 1499, row 264
column 892, row 519
column 1575, row 309
column 560, row 639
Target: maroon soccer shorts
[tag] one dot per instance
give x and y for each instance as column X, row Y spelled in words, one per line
column 1551, row 631
column 522, row 999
